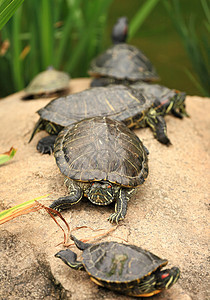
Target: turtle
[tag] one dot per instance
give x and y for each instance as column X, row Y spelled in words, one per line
column 124, row 268
column 121, row 63
column 167, row 100
column 119, row 102
column 103, row 160
column 49, row 83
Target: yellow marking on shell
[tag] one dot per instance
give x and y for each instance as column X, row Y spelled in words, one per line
column 96, row 281
column 146, row 295
column 109, row 104
column 131, row 165
column 133, row 97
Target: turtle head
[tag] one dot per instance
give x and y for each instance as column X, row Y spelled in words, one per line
column 178, row 108
column 176, row 105
column 101, row 193
column 166, row 278
column 120, row 30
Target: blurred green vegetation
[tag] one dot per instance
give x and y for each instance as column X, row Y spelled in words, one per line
column 69, row 33
column 159, row 39
column 63, row 33
column 66, row 34
column 196, row 44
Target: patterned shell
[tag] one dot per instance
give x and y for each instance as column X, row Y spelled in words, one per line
column 112, row 261
column 119, row 102
column 48, row 81
column 98, row 149
column 123, row 61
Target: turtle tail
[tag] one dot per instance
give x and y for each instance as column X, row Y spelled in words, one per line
column 38, row 127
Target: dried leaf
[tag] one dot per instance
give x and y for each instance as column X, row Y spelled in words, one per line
column 6, row 156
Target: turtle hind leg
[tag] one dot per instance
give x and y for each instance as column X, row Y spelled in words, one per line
column 75, row 195
column 70, row 259
column 158, row 126
column 46, row 144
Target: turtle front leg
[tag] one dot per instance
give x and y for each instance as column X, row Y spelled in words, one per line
column 46, row 144
column 70, row 259
column 121, row 205
column 158, row 126
column 75, row 195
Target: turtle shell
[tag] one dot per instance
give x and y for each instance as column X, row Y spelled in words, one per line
column 101, row 149
column 120, row 263
column 119, row 102
column 162, row 93
column 123, row 62
column 46, row 83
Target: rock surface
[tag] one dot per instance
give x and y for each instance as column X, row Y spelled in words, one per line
column 168, row 215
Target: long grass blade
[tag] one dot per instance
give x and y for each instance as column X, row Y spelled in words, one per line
column 140, row 16
column 73, row 11
column 206, row 10
column 4, row 4
column 18, row 210
column 196, row 83
column 196, row 47
column 93, row 15
column 16, row 46
column 46, row 33
column 7, row 9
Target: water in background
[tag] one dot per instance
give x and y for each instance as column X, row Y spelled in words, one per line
column 159, row 40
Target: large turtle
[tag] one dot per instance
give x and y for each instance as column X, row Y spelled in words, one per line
column 119, row 102
column 103, row 160
column 121, row 63
column 49, row 83
column 127, row 269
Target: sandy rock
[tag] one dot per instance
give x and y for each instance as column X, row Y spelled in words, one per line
column 168, row 215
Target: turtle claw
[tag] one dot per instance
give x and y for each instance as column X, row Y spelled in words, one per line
column 115, row 218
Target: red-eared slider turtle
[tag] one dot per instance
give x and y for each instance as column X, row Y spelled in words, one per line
column 103, row 160
column 121, row 63
column 127, row 269
column 167, row 100
column 118, row 102
column 48, row 83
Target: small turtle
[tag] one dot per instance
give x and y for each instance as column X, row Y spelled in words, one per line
column 46, row 84
column 118, row 102
column 121, row 63
column 103, row 160
column 127, row 269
